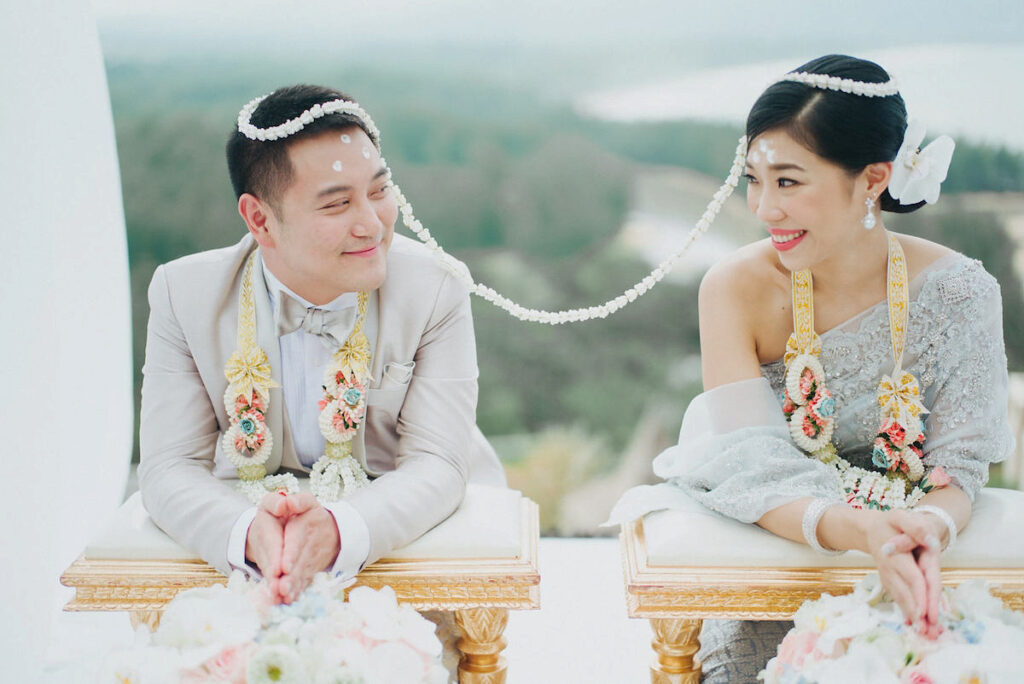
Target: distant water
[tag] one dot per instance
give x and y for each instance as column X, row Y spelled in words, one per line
column 967, row 90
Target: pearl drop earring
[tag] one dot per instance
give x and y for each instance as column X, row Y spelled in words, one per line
column 869, row 218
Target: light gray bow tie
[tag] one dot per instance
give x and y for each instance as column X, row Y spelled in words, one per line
column 332, row 327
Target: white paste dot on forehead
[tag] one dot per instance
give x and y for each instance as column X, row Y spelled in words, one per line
column 346, row 138
column 768, row 149
column 755, row 157
column 336, row 165
column 366, row 152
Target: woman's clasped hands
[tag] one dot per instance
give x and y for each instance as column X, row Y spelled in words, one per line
column 906, row 547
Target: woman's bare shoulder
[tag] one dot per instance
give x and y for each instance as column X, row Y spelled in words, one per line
column 747, row 278
column 738, row 298
column 921, row 253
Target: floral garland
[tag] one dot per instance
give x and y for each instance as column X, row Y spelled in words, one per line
column 248, row 441
column 342, row 410
column 810, row 409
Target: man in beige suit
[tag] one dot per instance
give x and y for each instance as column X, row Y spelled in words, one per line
column 320, row 211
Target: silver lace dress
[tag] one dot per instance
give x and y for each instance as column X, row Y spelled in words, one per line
column 740, row 461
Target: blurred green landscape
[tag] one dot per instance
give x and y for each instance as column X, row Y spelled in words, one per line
column 533, row 198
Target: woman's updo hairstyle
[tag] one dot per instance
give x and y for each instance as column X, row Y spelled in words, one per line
column 848, row 130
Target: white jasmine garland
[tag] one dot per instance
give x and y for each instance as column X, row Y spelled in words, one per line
column 842, row 85
column 293, row 126
column 598, row 311
column 296, row 124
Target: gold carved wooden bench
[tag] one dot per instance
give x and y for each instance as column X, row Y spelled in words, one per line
column 682, row 566
column 479, row 563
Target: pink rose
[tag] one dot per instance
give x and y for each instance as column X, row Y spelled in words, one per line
column 796, row 647
column 939, row 477
column 340, row 424
column 257, row 403
column 916, row 676
column 809, row 428
column 322, row 404
column 895, row 432
column 228, row 665
column 806, row 382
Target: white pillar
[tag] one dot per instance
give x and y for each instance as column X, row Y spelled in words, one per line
column 65, row 326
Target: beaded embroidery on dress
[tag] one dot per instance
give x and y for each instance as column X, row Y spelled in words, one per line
column 955, row 341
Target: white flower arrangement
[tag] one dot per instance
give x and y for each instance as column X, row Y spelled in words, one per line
column 863, row 637
column 234, row 634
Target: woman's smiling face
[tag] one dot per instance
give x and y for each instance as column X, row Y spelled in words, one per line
column 807, row 204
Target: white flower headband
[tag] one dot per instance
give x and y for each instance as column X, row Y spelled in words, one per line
column 844, row 85
column 293, row 126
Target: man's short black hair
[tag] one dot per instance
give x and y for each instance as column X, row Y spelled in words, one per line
column 262, row 168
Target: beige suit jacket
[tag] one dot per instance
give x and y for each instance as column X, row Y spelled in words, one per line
column 419, row 437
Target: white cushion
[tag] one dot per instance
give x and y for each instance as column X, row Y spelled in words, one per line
column 696, row 536
column 486, row 525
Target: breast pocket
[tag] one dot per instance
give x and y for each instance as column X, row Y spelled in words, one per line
column 394, row 384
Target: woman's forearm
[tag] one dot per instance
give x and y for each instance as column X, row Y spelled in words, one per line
column 840, row 528
column 843, row 528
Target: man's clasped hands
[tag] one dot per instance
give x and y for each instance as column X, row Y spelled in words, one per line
column 291, row 539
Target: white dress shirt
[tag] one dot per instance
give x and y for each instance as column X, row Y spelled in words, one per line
column 304, row 359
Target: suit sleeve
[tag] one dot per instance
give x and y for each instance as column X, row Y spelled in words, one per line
column 178, row 436
column 435, row 428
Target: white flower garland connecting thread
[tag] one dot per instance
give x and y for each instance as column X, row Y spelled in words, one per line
column 292, row 126
column 577, row 315
column 843, row 85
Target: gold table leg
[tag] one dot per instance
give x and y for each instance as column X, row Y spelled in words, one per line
column 481, row 645
column 676, row 642
column 150, row 618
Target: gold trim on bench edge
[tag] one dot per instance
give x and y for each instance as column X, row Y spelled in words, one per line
column 430, row 584
column 758, row 593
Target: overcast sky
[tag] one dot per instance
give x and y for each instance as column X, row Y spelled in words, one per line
column 878, row 23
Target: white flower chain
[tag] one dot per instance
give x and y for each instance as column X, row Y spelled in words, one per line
column 843, row 85
column 296, row 124
column 292, row 126
column 577, row 315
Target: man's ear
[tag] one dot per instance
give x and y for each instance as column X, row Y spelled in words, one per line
column 877, row 177
column 256, row 215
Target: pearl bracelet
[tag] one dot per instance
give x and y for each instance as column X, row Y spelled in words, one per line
column 812, row 515
column 945, row 517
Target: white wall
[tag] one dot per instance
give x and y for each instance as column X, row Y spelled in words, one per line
column 65, row 341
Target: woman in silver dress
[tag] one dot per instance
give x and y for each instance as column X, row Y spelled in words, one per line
column 855, row 380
